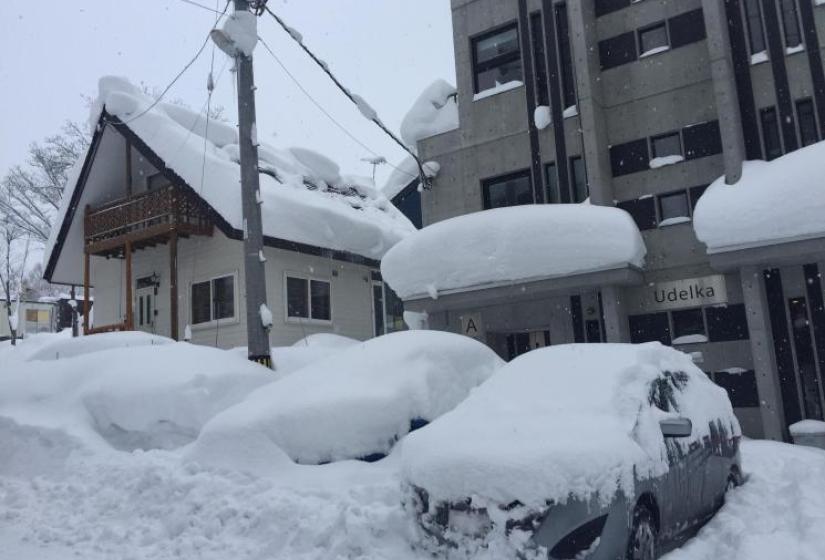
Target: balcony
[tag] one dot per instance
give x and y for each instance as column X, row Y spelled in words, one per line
column 143, row 220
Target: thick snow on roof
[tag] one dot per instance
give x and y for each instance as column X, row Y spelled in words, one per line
column 434, row 112
column 774, row 202
column 353, row 404
column 520, row 243
column 571, row 419
column 305, row 199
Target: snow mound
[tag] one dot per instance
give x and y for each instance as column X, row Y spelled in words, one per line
column 354, row 404
column 64, row 347
column 29, row 451
column 286, row 359
column 434, row 112
column 242, row 29
column 402, row 175
column 322, row 167
column 774, row 202
column 488, row 247
column 561, row 421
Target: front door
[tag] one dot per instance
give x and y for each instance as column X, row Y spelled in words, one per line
column 522, row 342
column 146, row 312
column 802, row 335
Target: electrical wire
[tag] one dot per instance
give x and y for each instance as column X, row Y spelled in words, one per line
column 201, row 6
column 425, row 181
column 323, row 110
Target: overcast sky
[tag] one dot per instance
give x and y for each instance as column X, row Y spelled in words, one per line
column 387, row 51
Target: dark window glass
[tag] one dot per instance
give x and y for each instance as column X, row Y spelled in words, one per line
column 593, row 329
column 496, row 58
column 579, row 176
column 577, row 317
column 727, row 322
column 654, row 37
column 378, row 309
column 140, row 312
column 617, row 50
column 539, row 60
column 568, row 78
column 807, row 122
column 629, row 157
column 156, row 181
column 320, row 300
column 687, row 322
column 649, row 327
column 511, row 190
column 395, row 310
column 223, row 297
column 674, row 205
column 770, row 133
column 686, row 28
column 409, row 203
column 756, row 35
column 790, row 23
column 606, row 6
column 805, row 356
column 643, row 211
column 149, row 316
column 741, row 387
column 201, row 303
column 666, row 145
column 297, row 297
column 554, row 196
column 695, row 194
column 701, row 140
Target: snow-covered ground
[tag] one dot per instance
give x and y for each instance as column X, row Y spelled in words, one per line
column 65, row 494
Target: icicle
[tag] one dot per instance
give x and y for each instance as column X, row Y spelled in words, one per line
column 261, row 256
column 187, row 333
column 258, row 198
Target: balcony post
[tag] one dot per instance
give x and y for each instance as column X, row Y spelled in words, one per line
column 86, row 265
column 173, row 284
column 130, row 322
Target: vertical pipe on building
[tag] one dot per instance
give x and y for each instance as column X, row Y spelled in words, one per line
column 130, row 317
column 173, row 285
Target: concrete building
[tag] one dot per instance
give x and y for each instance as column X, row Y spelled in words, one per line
column 648, row 103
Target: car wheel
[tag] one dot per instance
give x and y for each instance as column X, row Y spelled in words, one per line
column 642, row 542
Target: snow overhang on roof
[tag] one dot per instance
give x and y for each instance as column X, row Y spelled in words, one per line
column 305, row 199
column 506, row 246
column 774, row 203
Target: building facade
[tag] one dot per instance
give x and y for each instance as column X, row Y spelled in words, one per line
column 641, row 105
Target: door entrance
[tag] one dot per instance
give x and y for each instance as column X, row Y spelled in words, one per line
column 803, row 343
column 146, row 292
column 522, row 342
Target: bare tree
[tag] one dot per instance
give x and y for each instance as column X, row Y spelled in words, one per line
column 12, row 270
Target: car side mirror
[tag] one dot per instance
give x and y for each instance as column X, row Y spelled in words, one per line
column 676, row 427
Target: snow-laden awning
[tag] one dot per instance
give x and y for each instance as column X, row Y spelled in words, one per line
column 774, row 202
column 509, row 245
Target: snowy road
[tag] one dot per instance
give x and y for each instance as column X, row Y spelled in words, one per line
column 146, row 505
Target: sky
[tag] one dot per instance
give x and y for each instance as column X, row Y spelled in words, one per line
column 387, row 51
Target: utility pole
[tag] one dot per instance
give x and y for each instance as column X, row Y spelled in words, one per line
column 253, row 241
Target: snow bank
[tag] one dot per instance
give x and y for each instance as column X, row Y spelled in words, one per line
column 354, row 404
column 560, row 421
column 774, row 202
column 807, row 427
column 66, row 347
column 434, row 112
column 488, row 248
column 286, row 359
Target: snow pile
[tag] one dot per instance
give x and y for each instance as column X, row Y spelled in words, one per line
column 807, row 427
column 434, row 112
column 286, row 359
column 498, row 88
column 487, row 248
column 63, row 346
column 561, row 421
column 542, row 117
column 242, row 29
column 354, row 404
column 774, row 202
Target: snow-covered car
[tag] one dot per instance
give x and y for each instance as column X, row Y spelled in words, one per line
column 600, row 451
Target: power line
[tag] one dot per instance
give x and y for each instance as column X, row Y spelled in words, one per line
column 201, row 6
column 322, row 109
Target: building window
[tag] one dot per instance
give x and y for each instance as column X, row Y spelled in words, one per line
column 702, row 139
column 727, row 322
column 790, row 23
column 695, row 194
column 756, row 33
column 539, row 60
column 617, row 50
column 629, row 157
column 213, row 300
column 807, row 122
column 496, row 58
column 554, row 194
column 510, row 190
column 308, row 298
column 156, row 181
column 653, row 39
column 770, row 133
column 378, row 308
column 650, row 327
column 642, row 210
column 568, row 78
column 686, row 28
column 688, row 326
column 579, row 176
column 740, row 385
column 673, row 206
column 607, row 6
column 666, row 145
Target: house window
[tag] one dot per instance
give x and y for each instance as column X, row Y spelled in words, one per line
column 673, row 206
column 308, row 298
column 213, row 300
column 688, row 326
column 666, row 145
column 378, row 308
column 649, row 327
column 790, row 23
column 496, row 58
column 653, row 39
column 579, row 176
column 539, row 60
column 510, row 190
column 807, row 122
column 770, row 133
column 756, row 33
column 568, row 78
column 554, row 194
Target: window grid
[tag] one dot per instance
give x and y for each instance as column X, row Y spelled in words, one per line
column 509, row 60
column 655, row 32
column 791, row 28
column 308, row 298
column 756, row 27
column 205, row 307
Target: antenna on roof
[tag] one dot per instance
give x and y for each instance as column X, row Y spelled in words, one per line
column 375, row 162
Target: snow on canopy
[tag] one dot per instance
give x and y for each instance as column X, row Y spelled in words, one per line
column 305, row 199
column 487, row 248
column 774, row 202
column 434, row 112
column 566, row 420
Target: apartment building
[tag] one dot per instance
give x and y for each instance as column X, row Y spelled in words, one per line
column 641, row 104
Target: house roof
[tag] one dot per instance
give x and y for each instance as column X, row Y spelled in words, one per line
column 306, row 202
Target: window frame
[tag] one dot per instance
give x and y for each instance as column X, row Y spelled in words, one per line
column 537, row 49
column 749, row 28
column 781, row 5
column 672, row 133
column 762, row 112
column 498, row 60
column 574, row 194
column 660, row 213
column 550, row 170
column 212, row 322
column 486, row 182
column 308, row 279
column 642, row 30
column 810, row 102
column 703, row 316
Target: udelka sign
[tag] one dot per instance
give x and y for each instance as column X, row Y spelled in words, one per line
column 690, row 292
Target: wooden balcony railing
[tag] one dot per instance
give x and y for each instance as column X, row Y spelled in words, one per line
column 145, row 218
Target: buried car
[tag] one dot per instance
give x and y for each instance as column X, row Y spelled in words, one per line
column 600, row 451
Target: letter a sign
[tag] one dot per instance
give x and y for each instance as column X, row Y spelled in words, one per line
column 471, row 325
